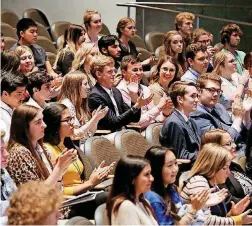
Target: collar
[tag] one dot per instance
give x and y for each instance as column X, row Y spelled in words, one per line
column 205, row 108
column 32, row 102
column 182, row 114
column 107, row 90
column 195, row 73
column 6, row 107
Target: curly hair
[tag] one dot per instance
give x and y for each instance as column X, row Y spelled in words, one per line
column 227, row 31
column 32, row 203
column 181, row 17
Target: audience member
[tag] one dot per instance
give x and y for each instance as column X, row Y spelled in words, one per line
column 212, row 115
column 8, row 186
column 237, row 183
column 179, row 131
column 93, row 24
column 35, row 203
column 131, row 89
column 73, row 95
column 28, row 159
column 57, row 138
column 27, row 64
column 248, row 65
column 126, row 204
column 83, row 59
column 225, row 66
column 210, row 169
column 40, row 89
column 184, row 24
column 10, row 62
column 74, row 37
column 109, row 46
column 248, row 153
column 163, row 77
column 174, row 46
column 104, row 95
column 126, row 29
column 13, row 88
column 197, row 58
column 27, row 32
column 230, row 38
column 164, row 197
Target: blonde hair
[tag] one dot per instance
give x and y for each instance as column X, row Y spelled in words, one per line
column 88, row 16
column 219, row 61
column 99, row 63
column 81, row 56
column 181, row 17
column 122, row 24
column 71, row 89
column 32, row 203
column 197, row 33
column 20, row 50
column 213, row 136
column 211, row 158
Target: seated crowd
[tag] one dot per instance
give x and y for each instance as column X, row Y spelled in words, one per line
column 200, row 94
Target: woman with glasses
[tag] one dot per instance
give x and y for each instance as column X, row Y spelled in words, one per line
column 28, row 158
column 73, row 94
column 238, row 184
column 225, row 66
column 60, row 127
column 162, row 78
column 126, row 29
column 27, row 63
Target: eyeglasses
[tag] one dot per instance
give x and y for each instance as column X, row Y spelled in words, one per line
column 165, row 70
column 69, row 120
column 213, row 91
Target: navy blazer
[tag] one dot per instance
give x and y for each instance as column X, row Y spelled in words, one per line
column 177, row 134
column 99, row 96
column 207, row 122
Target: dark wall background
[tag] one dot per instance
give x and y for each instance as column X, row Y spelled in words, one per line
column 164, row 21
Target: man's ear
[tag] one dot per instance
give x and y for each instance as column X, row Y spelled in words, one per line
column 98, row 74
column 5, row 94
column 35, row 90
column 190, row 61
column 21, row 34
column 104, row 51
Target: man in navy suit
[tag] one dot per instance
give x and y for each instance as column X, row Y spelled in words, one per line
column 179, row 131
column 103, row 94
column 212, row 115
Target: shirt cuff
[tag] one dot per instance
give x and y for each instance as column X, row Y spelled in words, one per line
column 68, row 190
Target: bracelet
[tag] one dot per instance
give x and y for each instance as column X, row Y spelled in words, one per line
column 60, row 181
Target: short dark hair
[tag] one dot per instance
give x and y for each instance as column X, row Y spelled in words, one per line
column 129, row 60
column 192, row 50
column 36, row 80
column 227, row 31
column 10, row 81
column 10, row 61
column 25, row 24
column 106, row 41
column 179, row 89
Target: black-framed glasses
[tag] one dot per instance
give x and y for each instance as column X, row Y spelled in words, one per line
column 213, row 91
column 69, row 120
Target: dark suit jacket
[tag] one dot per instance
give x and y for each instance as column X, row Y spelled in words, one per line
column 176, row 133
column 207, row 122
column 99, row 96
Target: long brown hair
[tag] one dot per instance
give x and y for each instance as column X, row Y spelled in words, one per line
column 71, row 89
column 20, row 133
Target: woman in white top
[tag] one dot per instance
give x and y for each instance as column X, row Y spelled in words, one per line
column 73, row 95
column 126, row 204
column 225, row 65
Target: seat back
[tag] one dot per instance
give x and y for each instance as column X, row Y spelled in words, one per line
column 59, row 41
column 130, row 142
column 58, row 29
column 51, row 57
column 8, row 31
column 88, row 168
column 37, row 16
column 9, row 17
column 46, row 44
column 9, row 42
column 98, row 149
column 100, row 215
column 104, row 30
column 153, row 40
column 143, row 53
column 138, row 41
column 42, row 31
column 159, row 51
column 152, row 134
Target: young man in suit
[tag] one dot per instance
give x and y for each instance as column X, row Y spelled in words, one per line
column 179, row 131
column 103, row 94
column 212, row 115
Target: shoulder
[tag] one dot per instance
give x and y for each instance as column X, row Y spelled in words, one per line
column 35, row 46
column 197, row 181
column 126, row 204
column 152, row 196
column 19, row 149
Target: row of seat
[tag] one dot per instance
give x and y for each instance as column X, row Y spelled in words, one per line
column 49, row 34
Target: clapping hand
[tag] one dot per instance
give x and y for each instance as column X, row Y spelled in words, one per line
column 239, row 207
column 198, row 200
column 99, row 113
column 216, row 197
column 143, row 101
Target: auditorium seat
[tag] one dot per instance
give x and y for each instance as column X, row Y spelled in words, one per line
column 143, row 53
column 42, row 31
column 46, row 44
column 9, row 42
column 37, row 16
column 153, row 40
column 51, row 57
column 138, row 41
column 104, row 30
column 9, row 17
column 58, row 28
column 8, row 31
